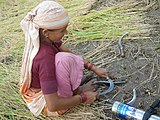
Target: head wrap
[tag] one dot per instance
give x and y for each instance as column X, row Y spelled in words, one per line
column 48, row 15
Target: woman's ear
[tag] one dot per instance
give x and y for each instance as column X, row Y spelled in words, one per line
column 45, row 33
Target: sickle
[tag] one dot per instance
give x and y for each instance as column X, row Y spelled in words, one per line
column 121, row 48
column 111, row 87
column 133, row 100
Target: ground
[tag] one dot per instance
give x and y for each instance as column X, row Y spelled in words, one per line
column 96, row 25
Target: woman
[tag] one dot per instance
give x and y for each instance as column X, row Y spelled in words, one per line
column 51, row 75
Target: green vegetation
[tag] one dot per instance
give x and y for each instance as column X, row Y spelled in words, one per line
column 109, row 22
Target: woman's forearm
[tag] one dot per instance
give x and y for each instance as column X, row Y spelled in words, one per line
column 56, row 103
column 66, row 103
column 89, row 66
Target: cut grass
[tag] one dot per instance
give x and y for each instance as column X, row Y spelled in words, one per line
column 110, row 23
column 153, row 4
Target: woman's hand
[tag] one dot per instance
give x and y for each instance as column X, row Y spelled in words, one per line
column 91, row 97
column 101, row 72
column 88, row 86
column 85, row 87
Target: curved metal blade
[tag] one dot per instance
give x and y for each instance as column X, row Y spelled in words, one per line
column 131, row 102
column 121, row 48
column 111, row 87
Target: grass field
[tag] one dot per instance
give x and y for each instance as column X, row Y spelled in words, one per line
column 86, row 24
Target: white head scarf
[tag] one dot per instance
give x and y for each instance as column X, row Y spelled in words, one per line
column 48, row 15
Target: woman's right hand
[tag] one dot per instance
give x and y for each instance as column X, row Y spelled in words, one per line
column 91, row 97
column 88, row 86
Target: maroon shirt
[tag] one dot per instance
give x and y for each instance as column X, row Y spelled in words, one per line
column 43, row 68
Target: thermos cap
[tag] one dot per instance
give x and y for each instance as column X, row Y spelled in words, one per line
column 115, row 106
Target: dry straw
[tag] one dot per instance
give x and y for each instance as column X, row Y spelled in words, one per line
column 103, row 27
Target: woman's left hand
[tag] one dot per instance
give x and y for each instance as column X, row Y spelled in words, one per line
column 101, row 72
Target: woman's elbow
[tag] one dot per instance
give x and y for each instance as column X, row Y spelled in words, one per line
column 52, row 106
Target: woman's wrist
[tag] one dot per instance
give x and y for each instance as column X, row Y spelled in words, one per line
column 94, row 68
column 88, row 65
column 83, row 97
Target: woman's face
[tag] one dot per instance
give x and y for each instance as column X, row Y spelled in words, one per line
column 57, row 34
